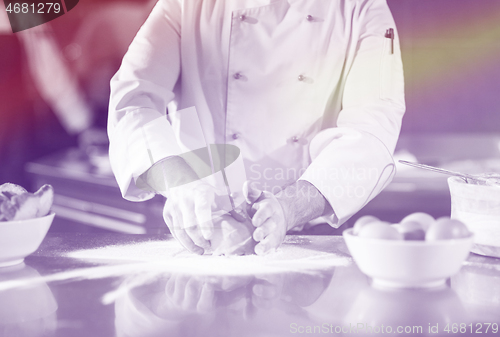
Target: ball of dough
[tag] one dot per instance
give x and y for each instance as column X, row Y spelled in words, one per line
column 231, row 237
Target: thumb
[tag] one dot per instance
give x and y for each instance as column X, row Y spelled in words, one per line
column 251, row 193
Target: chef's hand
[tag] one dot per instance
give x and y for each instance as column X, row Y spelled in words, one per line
column 269, row 219
column 274, row 215
column 188, row 215
column 188, row 210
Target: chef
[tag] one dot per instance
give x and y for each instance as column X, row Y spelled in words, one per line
column 309, row 91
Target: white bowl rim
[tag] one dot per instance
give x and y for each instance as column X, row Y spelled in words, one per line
column 51, row 214
column 413, row 243
column 460, row 181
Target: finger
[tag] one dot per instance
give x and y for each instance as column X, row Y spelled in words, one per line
column 192, row 228
column 167, row 217
column 262, row 303
column 194, row 233
column 187, row 242
column 188, row 217
column 179, row 289
column 268, row 227
column 251, row 193
column 170, row 288
column 264, row 211
column 269, row 286
column 203, row 212
column 168, row 220
column 191, row 294
column 207, row 296
column 176, row 216
column 266, row 245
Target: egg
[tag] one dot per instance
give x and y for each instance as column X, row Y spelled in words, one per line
column 363, row 221
column 422, row 218
column 446, row 229
column 380, row 230
column 412, row 230
column 396, row 226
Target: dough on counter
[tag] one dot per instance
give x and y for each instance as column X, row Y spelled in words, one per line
column 231, row 237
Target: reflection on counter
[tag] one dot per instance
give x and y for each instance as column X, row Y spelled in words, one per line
column 418, row 309
column 27, row 311
column 478, row 285
column 339, row 301
column 177, row 304
column 102, row 292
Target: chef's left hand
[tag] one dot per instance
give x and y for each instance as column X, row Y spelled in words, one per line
column 269, row 219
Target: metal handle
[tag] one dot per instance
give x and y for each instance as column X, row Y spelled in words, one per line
column 464, row 176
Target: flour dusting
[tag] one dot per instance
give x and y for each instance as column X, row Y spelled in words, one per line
column 170, row 256
column 140, row 263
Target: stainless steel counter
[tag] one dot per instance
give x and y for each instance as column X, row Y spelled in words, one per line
column 54, row 294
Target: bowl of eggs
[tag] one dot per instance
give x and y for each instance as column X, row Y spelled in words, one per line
column 418, row 252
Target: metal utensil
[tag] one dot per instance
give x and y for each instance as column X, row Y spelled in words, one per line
column 464, row 176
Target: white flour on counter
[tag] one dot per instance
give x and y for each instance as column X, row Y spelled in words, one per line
column 171, row 257
column 155, row 258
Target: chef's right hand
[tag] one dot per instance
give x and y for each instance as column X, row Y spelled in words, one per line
column 188, row 215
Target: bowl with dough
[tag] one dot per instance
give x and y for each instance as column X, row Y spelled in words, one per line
column 25, row 219
column 477, row 204
column 408, row 264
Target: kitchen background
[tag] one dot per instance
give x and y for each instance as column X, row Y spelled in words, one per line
column 451, row 53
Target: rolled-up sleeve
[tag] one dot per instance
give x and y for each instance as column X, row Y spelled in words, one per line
column 352, row 163
column 140, row 134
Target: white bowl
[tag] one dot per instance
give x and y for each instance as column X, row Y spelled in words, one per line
column 19, row 239
column 478, row 206
column 408, row 264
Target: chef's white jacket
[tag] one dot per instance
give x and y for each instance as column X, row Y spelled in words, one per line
column 307, row 89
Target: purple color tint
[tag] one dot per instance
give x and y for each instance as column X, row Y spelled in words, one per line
column 278, row 304
column 450, row 51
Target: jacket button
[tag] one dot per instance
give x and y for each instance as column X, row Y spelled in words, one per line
column 295, row 139
column 309, row 18
column 300, row 77
column 242, row 17
column 236, row 135
column 237, row 76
